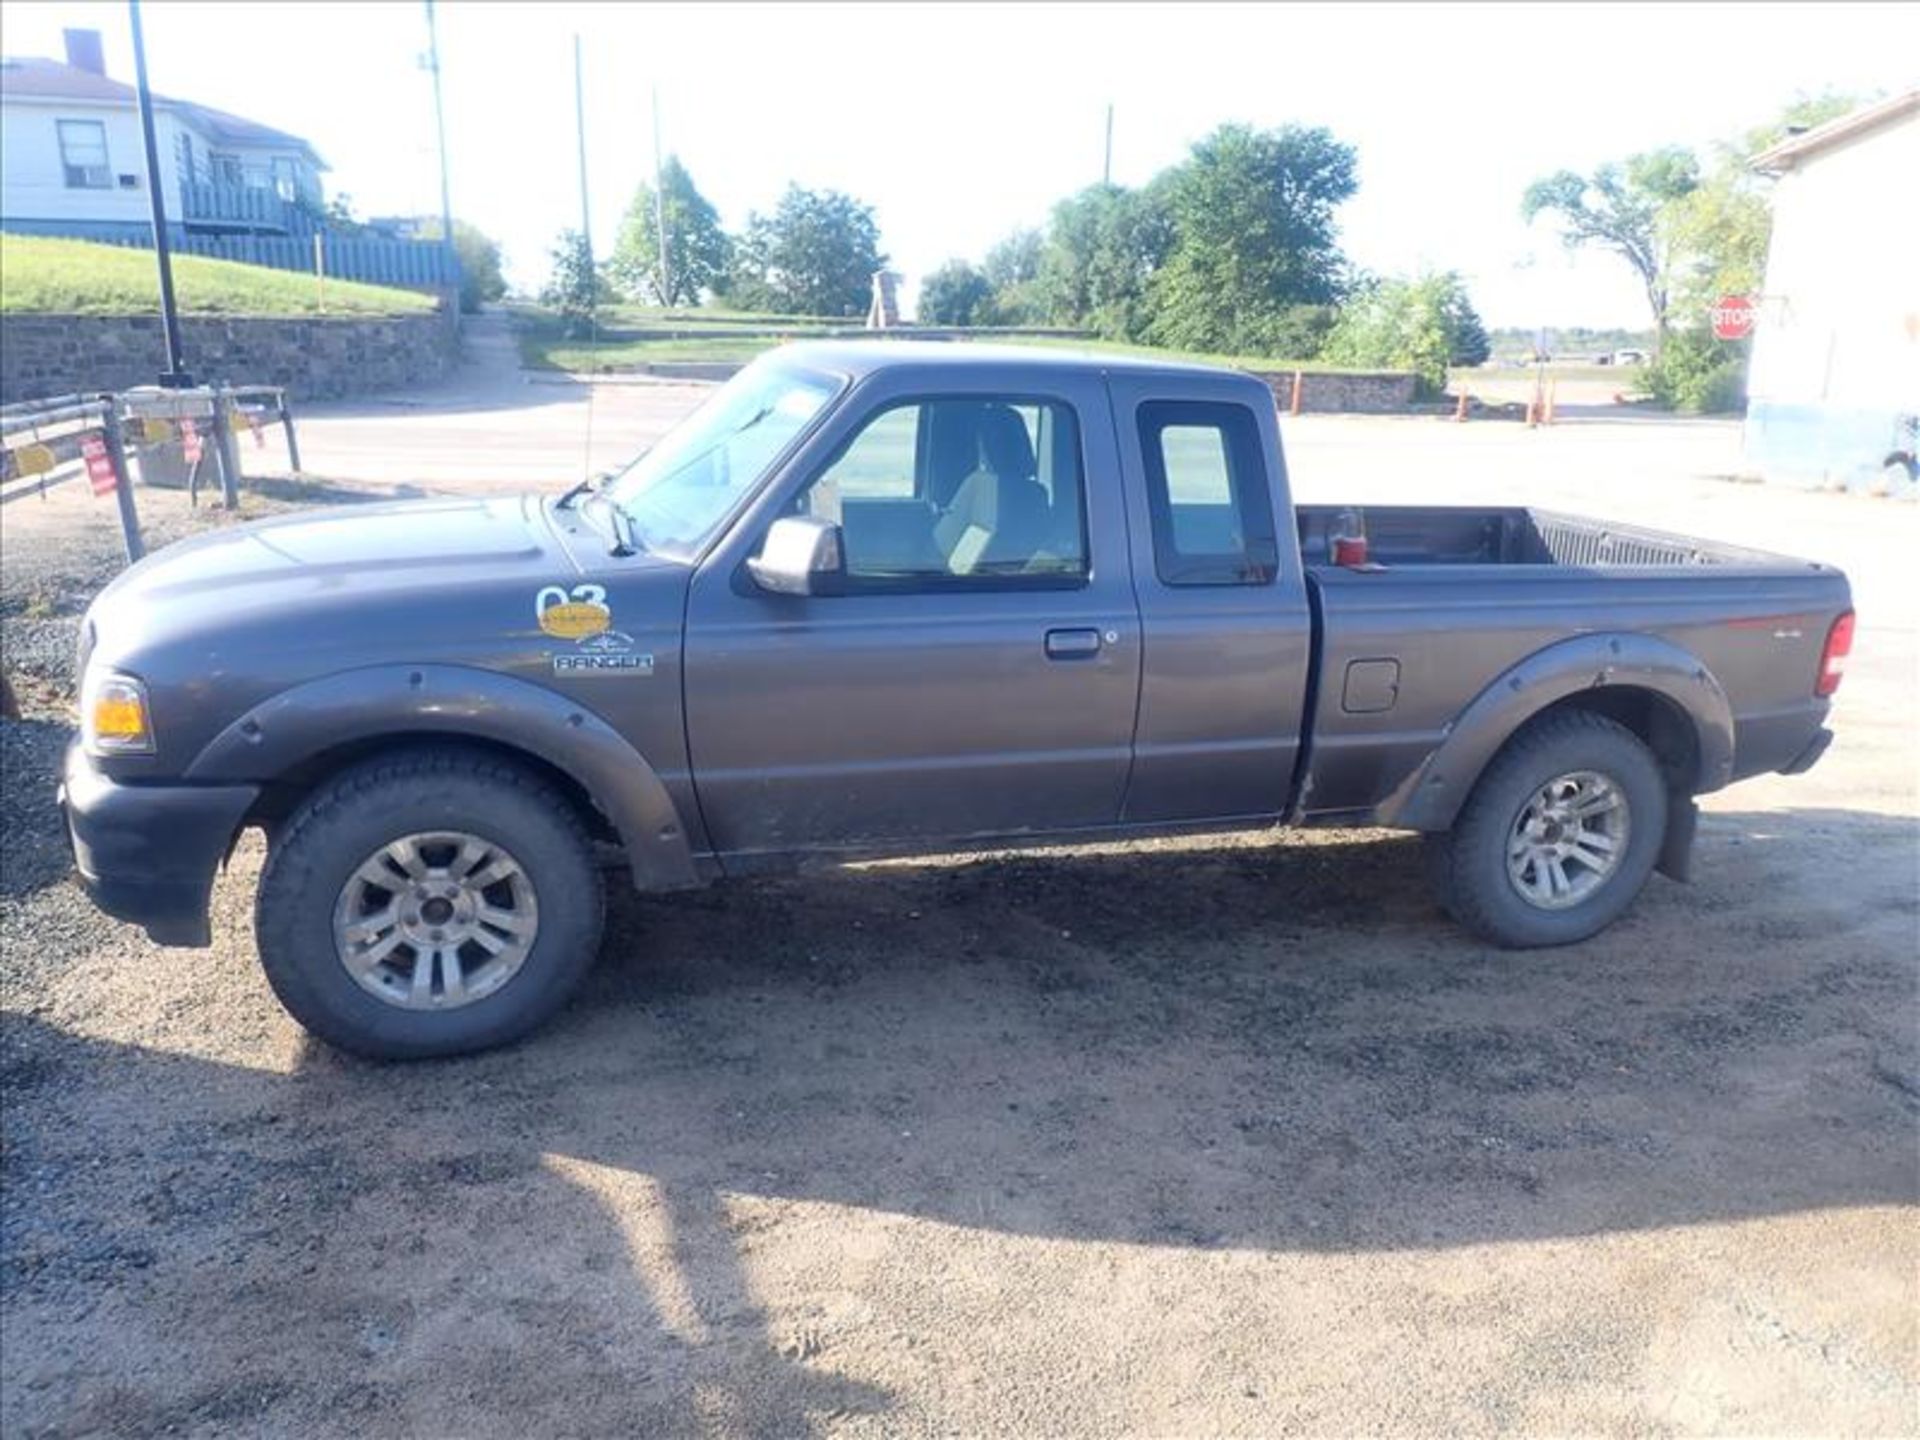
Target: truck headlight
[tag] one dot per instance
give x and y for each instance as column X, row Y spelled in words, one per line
column 114, row 718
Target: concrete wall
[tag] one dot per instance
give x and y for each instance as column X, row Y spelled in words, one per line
column 315, row 359
column 1836, row 348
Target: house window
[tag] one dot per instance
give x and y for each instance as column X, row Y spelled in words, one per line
column 83, row 154
column 226, row 168
column 286, row 179
column 183, row 144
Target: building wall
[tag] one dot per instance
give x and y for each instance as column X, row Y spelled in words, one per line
column 1836, row 352
column 33, row 183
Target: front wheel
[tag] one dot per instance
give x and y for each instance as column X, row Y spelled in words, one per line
column 1559, row 835
column 426, row 904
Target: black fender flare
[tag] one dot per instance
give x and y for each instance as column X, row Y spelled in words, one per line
column 298, row 724
column 1432, row 795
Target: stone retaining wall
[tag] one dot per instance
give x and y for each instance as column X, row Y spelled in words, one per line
column 1379, row 392
column 315, row 358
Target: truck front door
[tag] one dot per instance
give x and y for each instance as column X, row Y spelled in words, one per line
column 979, row 675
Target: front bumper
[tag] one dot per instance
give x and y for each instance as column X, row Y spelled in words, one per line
column 147, row 853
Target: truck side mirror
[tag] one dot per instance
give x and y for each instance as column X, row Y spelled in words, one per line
column 801, row 556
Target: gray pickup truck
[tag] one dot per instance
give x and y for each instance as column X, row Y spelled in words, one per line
column 889, row 597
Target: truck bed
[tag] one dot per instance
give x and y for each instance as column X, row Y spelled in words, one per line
column 1457, row 596
column 1514, row 535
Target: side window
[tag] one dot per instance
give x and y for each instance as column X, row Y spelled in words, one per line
column 1207, row 492
column 959, row 493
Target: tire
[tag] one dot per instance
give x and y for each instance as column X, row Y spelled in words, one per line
column 313, row 885
column 1470, row 864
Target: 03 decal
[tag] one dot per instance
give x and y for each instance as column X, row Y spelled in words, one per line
column 582, row 615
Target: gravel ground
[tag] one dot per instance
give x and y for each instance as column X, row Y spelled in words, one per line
column 1223, row 1136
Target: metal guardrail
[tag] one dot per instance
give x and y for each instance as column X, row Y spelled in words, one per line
column 49, row 442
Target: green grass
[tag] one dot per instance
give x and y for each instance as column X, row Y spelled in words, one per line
column 72, row 277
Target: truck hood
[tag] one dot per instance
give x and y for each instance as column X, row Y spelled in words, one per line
column 219, row 622
column 392, row 546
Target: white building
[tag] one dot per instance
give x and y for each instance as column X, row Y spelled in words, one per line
column 1834, row 385
column 72, row 160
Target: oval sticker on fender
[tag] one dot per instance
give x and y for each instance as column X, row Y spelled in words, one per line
column 572, row 615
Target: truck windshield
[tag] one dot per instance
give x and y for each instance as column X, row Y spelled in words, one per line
column 677, row 492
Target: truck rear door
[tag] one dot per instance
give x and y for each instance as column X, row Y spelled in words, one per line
column 979, row 675
column 1225, row 625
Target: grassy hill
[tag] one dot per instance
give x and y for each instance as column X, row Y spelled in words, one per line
column 73, row 277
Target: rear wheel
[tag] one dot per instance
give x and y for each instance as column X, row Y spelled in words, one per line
column 1559, row 835
column 428, row 904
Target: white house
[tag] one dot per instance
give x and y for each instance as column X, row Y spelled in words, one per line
column 1834, row 384
column 72, row 160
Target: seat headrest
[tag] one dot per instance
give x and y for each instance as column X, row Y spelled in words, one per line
column 1005, row 447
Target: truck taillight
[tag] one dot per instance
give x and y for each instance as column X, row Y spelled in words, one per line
column 1833, row 659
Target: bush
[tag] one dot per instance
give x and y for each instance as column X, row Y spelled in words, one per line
column 1421, row 325
column 1697, row 374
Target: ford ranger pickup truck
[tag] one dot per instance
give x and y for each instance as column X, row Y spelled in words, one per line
column 885, row 597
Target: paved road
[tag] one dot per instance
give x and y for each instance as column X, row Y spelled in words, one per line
column 489, row 424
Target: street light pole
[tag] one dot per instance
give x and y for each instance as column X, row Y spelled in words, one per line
column 446, row 193
column 660, row 208
column 174, row 377
column 580, row 135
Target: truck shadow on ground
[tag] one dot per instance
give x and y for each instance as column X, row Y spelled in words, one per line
column 1248, row 1047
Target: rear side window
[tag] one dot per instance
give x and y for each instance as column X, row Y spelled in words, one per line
column 1207, row 492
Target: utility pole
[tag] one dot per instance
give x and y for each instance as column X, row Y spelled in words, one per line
column 175, row 376
column 446, row 193
column 660, row 208
column 580, row 131
column 1106, row 170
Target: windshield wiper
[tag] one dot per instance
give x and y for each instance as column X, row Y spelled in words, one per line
column 623, row 537
column 574, row 492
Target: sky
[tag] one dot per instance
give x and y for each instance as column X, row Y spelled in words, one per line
column 960, row 123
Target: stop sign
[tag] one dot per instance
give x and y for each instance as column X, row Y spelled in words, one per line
column 1733, row 317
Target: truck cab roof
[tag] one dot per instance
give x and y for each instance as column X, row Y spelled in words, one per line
column 858, row 358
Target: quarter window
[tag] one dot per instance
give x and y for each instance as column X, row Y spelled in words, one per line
column 1207, row 491
column 83, row 155
column 980, row 492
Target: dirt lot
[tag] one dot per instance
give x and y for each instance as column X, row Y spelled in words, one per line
column 1232, row 1136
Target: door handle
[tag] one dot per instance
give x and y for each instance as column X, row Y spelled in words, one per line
column 1072, row 644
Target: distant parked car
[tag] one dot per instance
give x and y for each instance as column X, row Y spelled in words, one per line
column 1629, row 357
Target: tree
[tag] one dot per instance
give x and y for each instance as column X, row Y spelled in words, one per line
column 955, row 294
column 479, row 256
column 1423, row 325
column 575, row 287
column 1102, row 248
column 815, row 255
column 1252, row 214
column 1012, row 268
column 1717, row 236
column 697, row 248
column 1620, row 208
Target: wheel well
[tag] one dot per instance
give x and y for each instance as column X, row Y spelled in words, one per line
column 1661, row 725
column 285, row 794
